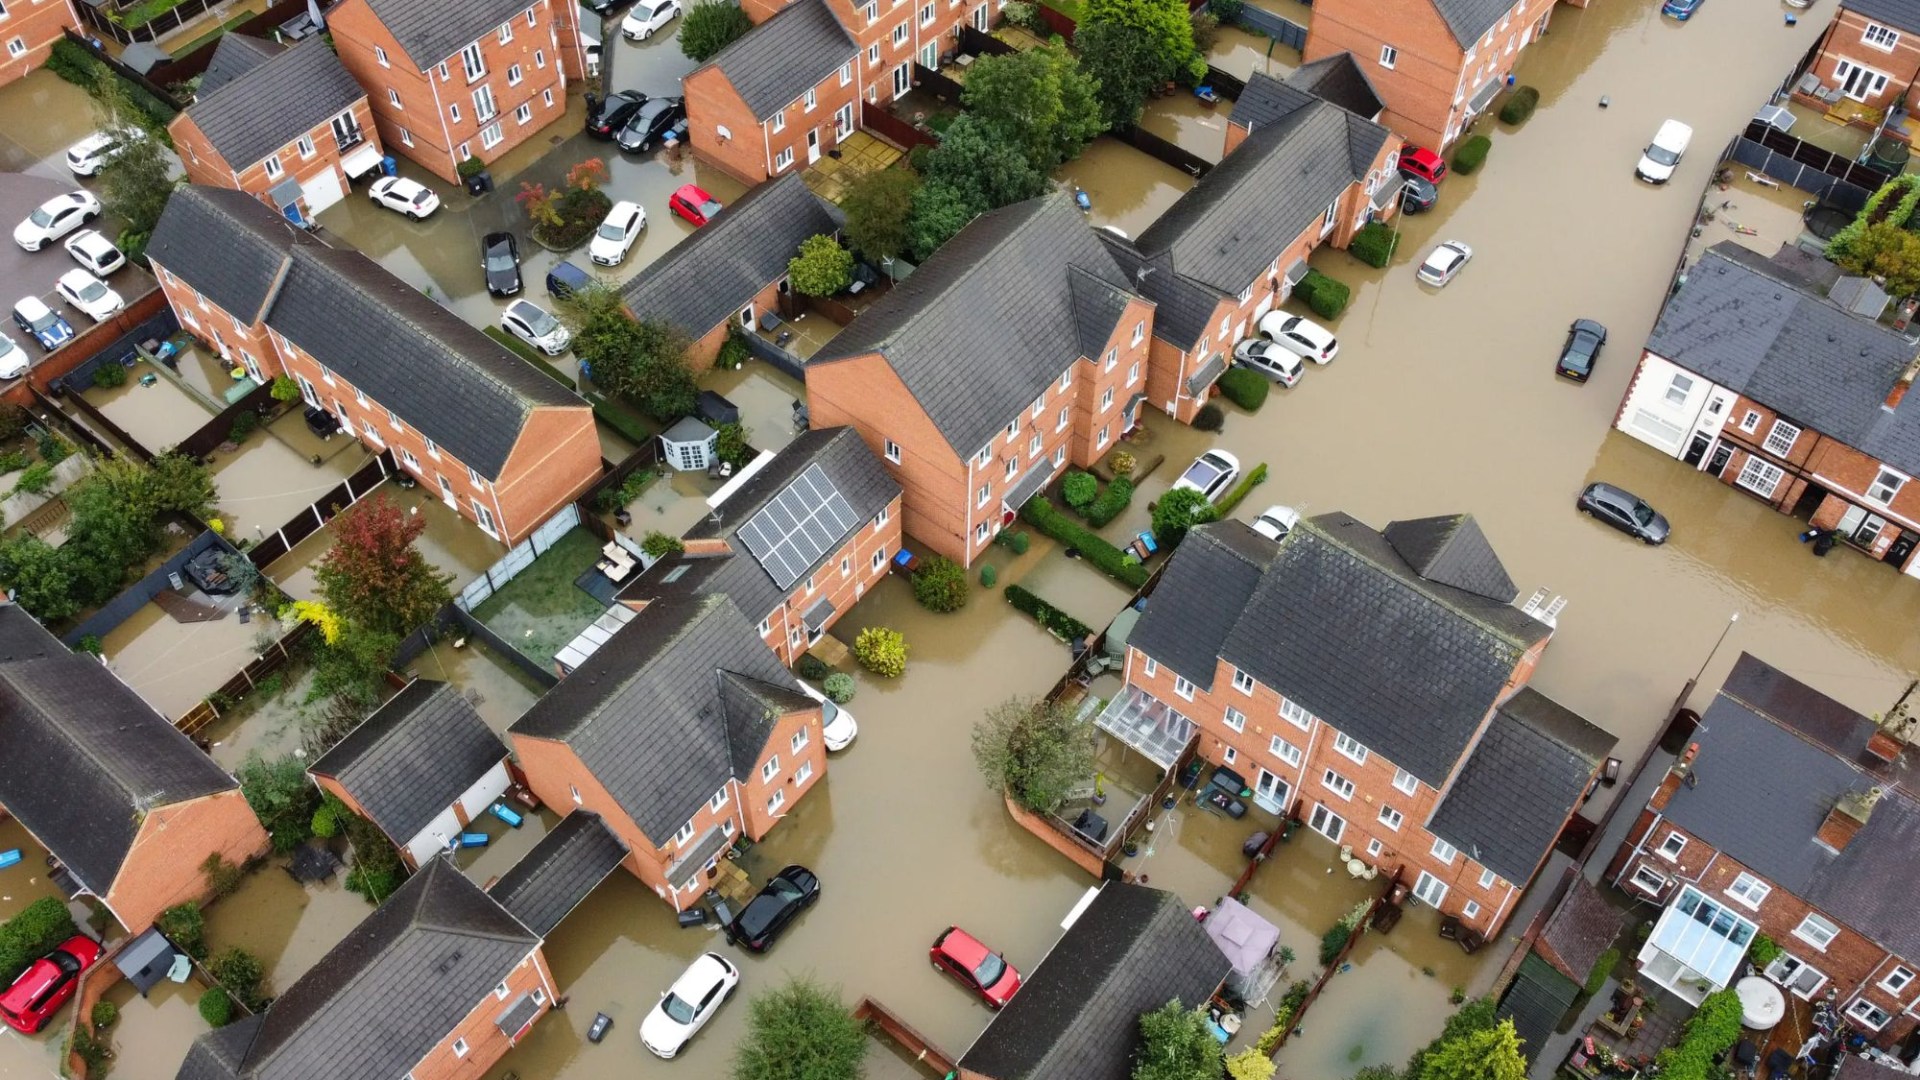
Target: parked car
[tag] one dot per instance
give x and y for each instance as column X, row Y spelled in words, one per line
column 55, row 218
column 780, row 901
column 95, row 252
column 1275, row 522
column 565, row 279
column 536, row 326
column 1443, row 263
column 1282, row 365
column 89, row 294
column 1422, row 163
column 409, row 197
column 46, row 985
column 688, row 1004
column 1663, row 154
column 87, row 156
column 837, row 727
column 651, row 123
column 1300, row 336
column 694, row 205
column 609, row 115
column 1211, row 474
column 978, row 968
column 647, row 17
column 615, row 236
column 1577, row 356
column 39, row 322
column 500, row 258
column 1680, row 9
column 13, row 359
column 1625, row 511
column 1418, row 195
column 604, row 7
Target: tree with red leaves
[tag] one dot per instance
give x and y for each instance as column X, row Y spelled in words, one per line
column 374, row 577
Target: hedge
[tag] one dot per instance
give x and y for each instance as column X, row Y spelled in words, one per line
column 526, row 352
column 1112, row 502
column 1106, row 558
column 1372, row 245
column 1714, row 1028
column 1327, row 297
column 617, row 419
column 31, row 934
column 1245, row 387
column 1061, row 624
column 1519, row 106
column 1233, row 498
column 1471, row 154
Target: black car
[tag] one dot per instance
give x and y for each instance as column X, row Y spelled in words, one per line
column 602, row 7
column 1419, row 195
column 607, row 117
column 500, row 257
column 790, row 892
column 655, row 118
column 1577, row 356
column 1624, row 511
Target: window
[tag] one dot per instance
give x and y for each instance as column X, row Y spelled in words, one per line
column 799, row 741
column 1472, row 909
column 926, row 15
column 1679, row 388
column 779, row 122
column 1796, row 975
column 473, row 478
column 1816, row 931
column 1033, row 445
column 1235, row 719
column 879, row 559
column 1886, row 484
column 771, row 769
column 459, row 1048
column 380, row 56
column 777, row 800
column 1061, row 423
column 1106, row 399
column 1444, row 851
column 783, row 159
column 1760, row 477
column 394, row 419
column 1750, row 422
column 305, row 145
column 1896, row 980
column 273, row 167
column 1133, row 373
column 1337, row 784
column 1405, row 781
column 506, row 32
column 1242, row 681
column 1039, row 406
column 1868, row 1013
column 881, row 518
column 900, row 34
column 1781, row 439
column 807, row 102
column 1672, row 846
column 453, row 110
column 1113, row 359
column 1351, row 747
column 524, row 113
column 1649, row 880
column 1880, row 37
column 685, row 834
column 1488, row 879
column 1327, row 823
column 1296, row 715
column 766, row 627
column 985, row 493
column 1284, row 750
column 471, row 60
column 1430, row 889
column 1182, row 687
column 1749, row 890
column 719, row 800
column 1100, row 440
column 846, row 566
column 1374, row 848
column 1391, row 818
column 873, row 50
column 804, row 774
column 1229, row 755
column 546, row 98
column 530, row 17
column 575, row 792
column 1152, row 667
column 407, row 458
column 846, row 74
column 540, row 59
column 893, row 451
column 500, row 992
column 981, row 532
column 1139, row 331
column 16, row 47
column 514, row 75
column 1388, row 56
column 444, row 73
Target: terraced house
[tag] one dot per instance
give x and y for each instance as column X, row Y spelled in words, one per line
column 499, row 442
column 1372, row 685
column 288, row 126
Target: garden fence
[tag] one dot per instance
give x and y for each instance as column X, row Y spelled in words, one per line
column 258, row 401
column 1058, row 22
column 128, row 37
column 975, row 43
column 49, row 411
column 776, row 355
column 875, row 118
column 99, row 419
column 1227, row 86
column 472, row 627
column 1285, row 31
column 936, row 84
column 1832, row 178
column 277, row 656
column 272, row 545
column 646, row 457
column 123, row 350
column 264, row 25
column 1161, row 150
column 519, row 558
column 132, row 599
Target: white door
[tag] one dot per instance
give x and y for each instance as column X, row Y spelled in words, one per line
column 902, row 79
column 1327, row 823
column 308, row 394
column 930, row 55
column 446, row 492
column 484, row 518
column 346, row 422
column 980, row 18
column 813, row 145
column 1270, row 792
column 322, row 191
column 843, row 122
column 1430, row 889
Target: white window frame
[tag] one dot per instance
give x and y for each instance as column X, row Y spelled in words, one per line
column 1406, row 782
column 473, row 62
column 1785, row 970
column 304, row 144
column 718, row 801
column 1295, row 715
column 770, row 768
column 1471, row 910
column 1886, row 481
column 506, row 33
column 1350, row 747
column 1183, row 687
column 1284, row 750
column 1488, row 879
column 1862, row 1011
column 1389, row 56
column 380, row 56
column 459, row 1048
column 1880, row 37
column 1817, row 930
column 1324, row 821
column 1234, row 719
column 1780, row 438
column 1150, row 667
column 1444, row 851
column 1337, row 784
column 1391, row 818
column 1678, row 389
column 893, row 451
column 1430, row 890
column 1749, row 890
column 1229, row 755
column 514, row 74
column 1669, row 850
column 776, row 800
column 1897, row 980
column 1243, row 682
column 1760, row 476
column 1653, row 887
column 799, row 741
column 684, row 834
column 804, row 774
column 783, row 160
column 274, row 169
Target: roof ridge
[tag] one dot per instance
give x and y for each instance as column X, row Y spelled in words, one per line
column 1892, row 784
column 977, row 265
column 58, row 724
column 1417, row 584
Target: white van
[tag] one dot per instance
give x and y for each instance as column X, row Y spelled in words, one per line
column 1662, row 155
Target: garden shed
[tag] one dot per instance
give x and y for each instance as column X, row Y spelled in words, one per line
column 688, row 445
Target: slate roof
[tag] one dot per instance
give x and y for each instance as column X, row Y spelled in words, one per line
column 1336, row 620
column 217, row 1054
column 1471, row 19
column 1526, row 774
column 1583, row 926
column 710, row 275
column 1775, row 754
column 1183, row 308
column 233, row 56
column 1267, row 100
column 1794, row 351
column 1338, row 78
column 991, row 319
column 773, row 64
column 388, row 993
column 1226, row 231
column 1452, row 551
column 551, row 880
column 432, row 30
column 1901, row 14
column 457, row 386
column 1131, row 951
column 227, row 244
column 672, row 706
column 1535, row 1001
column 251, row 113
column 86, row 758
column 414, row 757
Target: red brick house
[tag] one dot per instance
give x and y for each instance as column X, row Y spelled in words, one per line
column 1437, row 64
column 1793, row 816
column 460, row 79
column 1756, row 376
column 893, row 35
column 775, row 100
column 683, row 732
column 288, row 126
column 28, row 29
column 1018, row 347
column 127, row 806
column 498, row 441
column 1371, row 685
column 1869, row 56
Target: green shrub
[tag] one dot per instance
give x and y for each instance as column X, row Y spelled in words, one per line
column 734, row 351
column 216, row 1008
column 1106, row 558
column 71, row 61
column 1059, row 623
column 185, row 926
column 1519, row 105
column 881, row 651
column 730, row 445
column 1210, row 417
column 53, row 449
column 658, row 545
column 1471, row 155
column 1762, row 952
column 105, row 1015
column 1245, row 387
column 812, row 668
column 90, row 1050
column 31, row 934
column 989, row 576
column 244, row 425
column 940, row 584
column 285, row 389
column 109, row 375
column 1333, row 941
column 13, row 461
column 222, row 876
column 1014, row 541
column 1253, row 479
column 1715, row 1027
column 1121, row 462
column 241, row 973
column 35, row 479
column 630, row 427
column 326, row 820
column 1225, row 10
column 840, row 687
column 1112, row 502
column 1079, row 489
column 532, row 356
column 469, row 167
column 90, row 643
column 1326, row 296
column 1373, row 244
column 1603, row 967
column 1178, row 511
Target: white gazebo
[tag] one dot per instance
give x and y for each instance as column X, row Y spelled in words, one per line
column 688, row 445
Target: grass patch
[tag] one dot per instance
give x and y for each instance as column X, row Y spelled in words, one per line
column 212, row 35
column 1072, row 9
column 529, row 354
column 541, row 610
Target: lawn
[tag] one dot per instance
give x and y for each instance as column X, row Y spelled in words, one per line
column 542, row 609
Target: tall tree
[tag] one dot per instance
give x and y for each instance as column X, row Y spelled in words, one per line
column 135, row 183
column 800, row 1031
column 1129, row 66
column 978, row 162
column 940, row 211
column 1175, row 1044
column 643, row 361
column 1163, row 24
column 879, row 206
column 711, row 26
column 1040, row 101
column 374, row 577
column 1035, row 751
column 1492, row 1054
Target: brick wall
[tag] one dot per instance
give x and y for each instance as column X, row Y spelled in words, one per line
column 87, row 343
column 163, row 867
column 555, row 461
column 1057, row 840
column 843, row 579
column 1846, row 42
column 35, row 25
column 484, row 1043
column 1848, row 474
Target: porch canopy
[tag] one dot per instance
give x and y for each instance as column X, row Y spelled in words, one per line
column 1245, row 938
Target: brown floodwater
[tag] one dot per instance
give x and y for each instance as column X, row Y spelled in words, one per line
column 174, row 664
column 25, row 881
column 157, row 414
column 1185, row 121
column 41, row 115
column 1129, row 189
column 500, row 692
column 288, row 925
column 153, row 1033
column 1240, row 53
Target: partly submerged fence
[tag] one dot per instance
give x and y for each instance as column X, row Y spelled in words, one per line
column 1833, row 178
column 875, row 118
column 230, row 693
column 519, row 557
column 1285, row 31
column 322, row 510
column 136, row 596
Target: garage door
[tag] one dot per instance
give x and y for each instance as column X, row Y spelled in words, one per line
column 434, row 837
column 481, row 795
column 322, row 191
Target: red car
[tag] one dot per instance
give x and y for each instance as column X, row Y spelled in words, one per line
column 1423, row 163
column 694, row 204
column 978, row 968
column 40, row 990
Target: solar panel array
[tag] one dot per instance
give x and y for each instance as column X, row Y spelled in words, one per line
column 802, row 523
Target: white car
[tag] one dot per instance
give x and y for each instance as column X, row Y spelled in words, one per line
column 1275, row 522
column 1269, row 359
column 89, row 294
column 648, row 16
column 1443, row 262
column 55, row 218
column 1301, row 337
column 688, row 1004
column 536, row 326
column 616, row 235
column 1211, row 474
column 13, row 359
column 1663, row 154
column 838, row 728
column 409, row 197
column 95, row 252
column 87, row 156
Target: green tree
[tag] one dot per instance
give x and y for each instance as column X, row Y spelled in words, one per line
column 1492, row 1054
column 1475, row 1016
column 185, row 926
column 135, row 183
column 940, row 211
column 1250, row 1064
column 1039, row 101
column 1175, row 1044
column 940, row 585
column 800, row 1031
column 822, row 267
column 879, row 209
column 242, row 974
column 1163, row 24
column 882, row 651
column 1889, row 250
column 711, row 26
column 349, row 679
column 1129, row 66
column 31, row 933
column 281, row 797
column 41, row 577
column 374, row 577
column 643, row 361
column 1033, row 751
column 1179, row 510
column 976, row 159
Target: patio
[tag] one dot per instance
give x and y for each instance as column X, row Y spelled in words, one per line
column 857, row 154
column 544, row 606
column 765, row 395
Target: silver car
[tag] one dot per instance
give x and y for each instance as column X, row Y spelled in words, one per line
column 1443, row 263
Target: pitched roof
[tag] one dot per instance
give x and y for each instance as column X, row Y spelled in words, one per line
column 1338, row 78
column 228, row 245
column 233, row 56
column 774, row 63
column 1338, row 621
column 1266, row 101
column 250, row 113
column 414, row 757
column 1471, row 19
column 673, row 705
column 1452, row 551
column 1581, row 928
column 1227, row 230
column 551, row 880
column 218, row 1054
column 711, row 274
column 1183, row 308
column 458, row 386
column 432, row 30
column 86, row 759
column 1753, row 331
column 1901, row 14
column 991, row 319
column 391, row 990
column 1526, row 774
column 1078, row 1014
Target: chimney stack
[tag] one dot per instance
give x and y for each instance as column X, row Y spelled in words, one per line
column 1849, row 814
column 1902, row 385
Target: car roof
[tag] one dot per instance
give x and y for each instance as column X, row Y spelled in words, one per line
column 77, row 278
column 90, row 238
column 31, row 306
column 1589, row 325
column 531, row 307
column 698, row 978
column 964, row 947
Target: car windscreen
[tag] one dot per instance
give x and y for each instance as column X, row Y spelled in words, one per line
column 677, row 1010
column 1643, row 513
column 1201, row 474
column 538, row 320
column 760, row 914
column 46, row 321
column 1660, row 155
column 829, row 712
column 93, row 290
column 499, row 259
column 421, row 198
column 989, row 970
column 612, row 230
column 41, row 217
column 709, row 208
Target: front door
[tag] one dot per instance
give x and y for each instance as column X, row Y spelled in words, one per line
column 813, row 145
column 446, row 492
column 1270, row 792
column 346, row 422
column 902, row 79
column 843, row 122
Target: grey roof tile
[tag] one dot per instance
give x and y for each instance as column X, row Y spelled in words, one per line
column 433, row 30
column 228, row 245
column 218, row 1054
column 1267, row 100
column 1471, row 19
column 1452, row 550
column 773, row 64
column 233, row 56
column 989, row 321
column 1535, row 1001
column 1183, row 308
column 86, row 758
column 1338, row 78
column 260, row 110
column 413, row 758
column 551, row 880
column 1581, row 928
column 1901, row 14
column 1192, row 611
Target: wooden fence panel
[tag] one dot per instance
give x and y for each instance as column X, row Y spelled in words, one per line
column 875, row 118
column 96, row 417
column 259, row 402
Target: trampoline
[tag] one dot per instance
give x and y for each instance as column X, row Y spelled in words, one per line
column 1824, row 220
